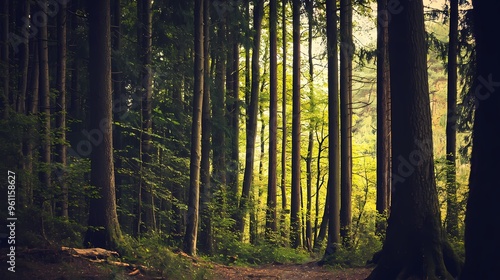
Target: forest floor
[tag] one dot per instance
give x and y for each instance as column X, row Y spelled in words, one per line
column 57, row 265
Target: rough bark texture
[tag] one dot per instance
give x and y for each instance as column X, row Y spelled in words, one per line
column 452, row 208
column 194, row 168
column 383, row 118
column 333, row 191
column 482, row 222
column 104, row 228
column 415, row 245
column 295, row 225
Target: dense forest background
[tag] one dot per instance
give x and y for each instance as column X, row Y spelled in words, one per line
column 253, row 131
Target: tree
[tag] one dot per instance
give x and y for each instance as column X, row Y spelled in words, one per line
column 333, row 190
column 451, row 123
column 104, row 229
column 415, row 246
column 383, row 117
column 295, row 225
column 271, row 222
column 252, row 116
column 346, row 54
column 61, row 105
column 283, row 123
column 194, row 168
column 146, row 215
column 46, row 139
column 482, row 221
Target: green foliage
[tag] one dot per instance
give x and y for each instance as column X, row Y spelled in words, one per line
column 152, row 252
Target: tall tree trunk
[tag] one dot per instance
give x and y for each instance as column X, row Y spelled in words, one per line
column 144, row 15
column 194, row 170
column 308, row 224
column 271, row 218
column 283, row 227
column 346, row 54
column 252, row 116
column 482, row 221
column 4, row 59
column 415, row 246
column 45, row 148
column 233, row 107
column 451, row 123
column 333, row 190
column 295, row 225
column 320, row 178
column 104, row 229
column 383, row 119
column 206, row 231
column 61, row 106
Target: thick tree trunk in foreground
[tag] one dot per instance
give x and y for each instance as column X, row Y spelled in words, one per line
column 482, row 222
column 4, row 59
column 105, row 231
column 194, row 168
column 415, row 246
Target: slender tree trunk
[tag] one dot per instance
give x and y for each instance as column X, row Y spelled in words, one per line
column 144, row 14
column 271, row 218
column 61, row 106
column 194, row 171
column 206, row 235
column 104, row 229
column 320, row 178
column 451, row 123
column 346, row 54
column 45, row 148
column 295, row 225
column 283, row 227
column 482, row 221
column 383, row 119
column 415, row 246
column 308, row 225
column 333, row 190
column 252, row 116
column 309, row 235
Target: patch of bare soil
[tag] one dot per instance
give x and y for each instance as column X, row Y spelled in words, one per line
column 289, row 272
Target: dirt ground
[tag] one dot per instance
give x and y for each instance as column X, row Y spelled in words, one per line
column 57, row 265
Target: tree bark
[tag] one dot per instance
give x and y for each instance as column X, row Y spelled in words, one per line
column 61, row 107
column 283, row 227
column 415, row 246
column 271, row 218
column 46, row 141
column 452, row 208
column 252, row 117
column 346, row 54
column 383, row 119
column 295, row 224
column 194, row 170
column 104, row 230
column 482, row 221
column 333, row 191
